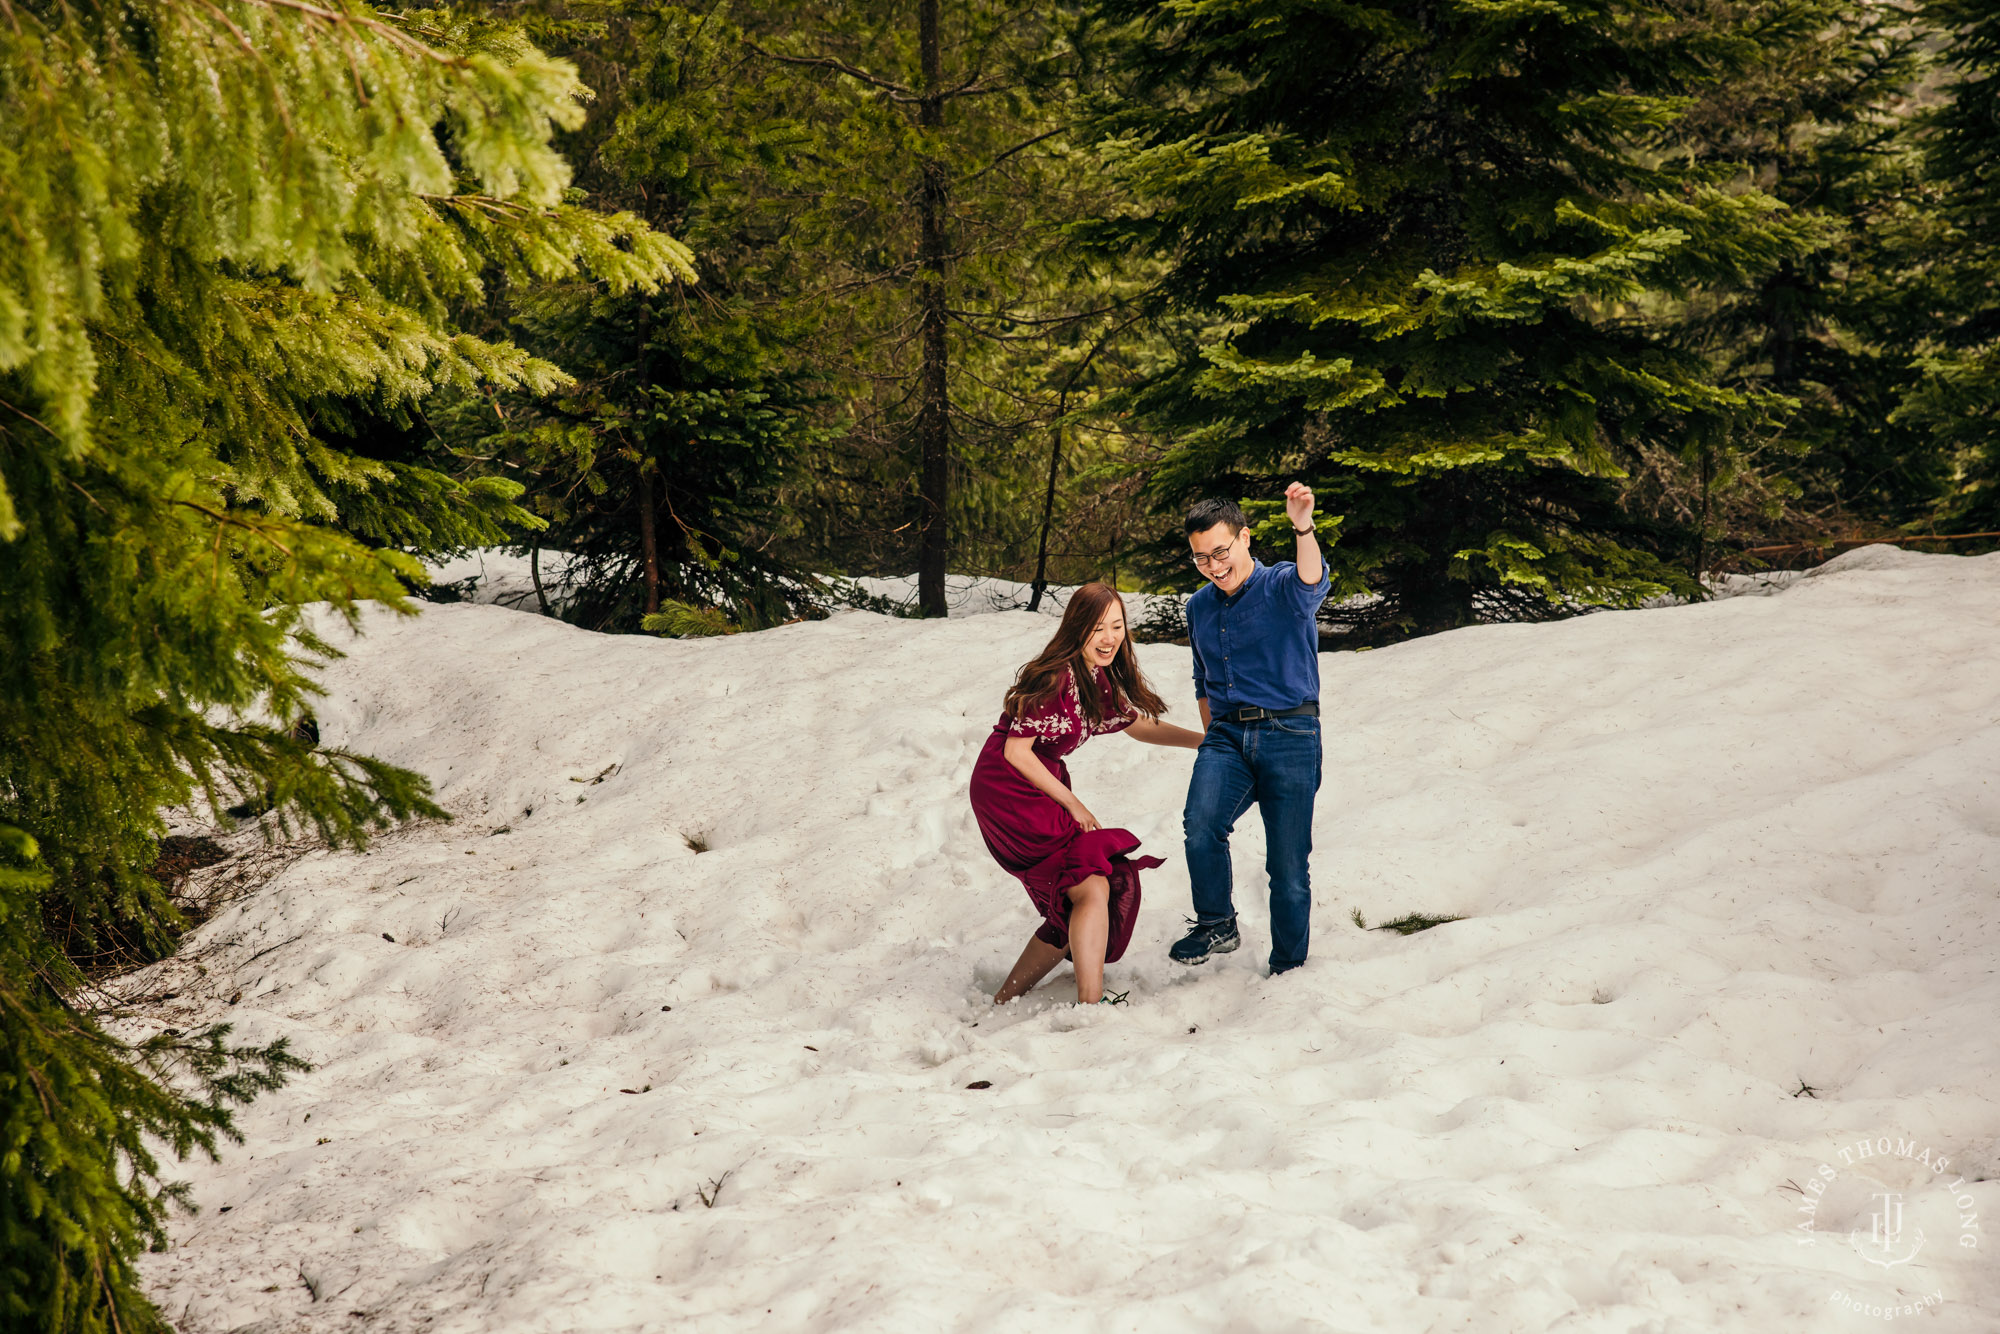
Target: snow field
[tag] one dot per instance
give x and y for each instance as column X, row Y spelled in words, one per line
column 1705, row 854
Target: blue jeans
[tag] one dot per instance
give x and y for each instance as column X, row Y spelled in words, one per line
column 1274, row 762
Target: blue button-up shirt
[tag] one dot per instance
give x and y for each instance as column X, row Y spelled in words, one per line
column 1259, row 646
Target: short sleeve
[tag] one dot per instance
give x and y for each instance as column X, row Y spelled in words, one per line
column 1047, row 721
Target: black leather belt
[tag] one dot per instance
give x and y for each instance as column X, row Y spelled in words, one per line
column 1309, row 709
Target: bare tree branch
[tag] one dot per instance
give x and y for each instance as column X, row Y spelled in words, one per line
column 896, row 91
column 1024, row 144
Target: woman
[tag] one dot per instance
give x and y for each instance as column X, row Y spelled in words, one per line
column 1084, row 684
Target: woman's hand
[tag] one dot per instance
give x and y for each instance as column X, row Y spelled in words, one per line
column 1020, row 752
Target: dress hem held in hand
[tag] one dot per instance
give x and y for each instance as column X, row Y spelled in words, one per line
column 1040, row 843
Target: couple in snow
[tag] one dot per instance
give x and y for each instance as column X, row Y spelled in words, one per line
column 1256, row 674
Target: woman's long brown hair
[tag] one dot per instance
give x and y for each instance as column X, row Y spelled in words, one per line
column 1039, row 679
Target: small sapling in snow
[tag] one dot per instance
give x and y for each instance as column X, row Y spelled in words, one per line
column 713, row 1192
column 1414, row 922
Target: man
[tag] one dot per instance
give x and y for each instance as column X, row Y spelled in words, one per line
column 1256, row 674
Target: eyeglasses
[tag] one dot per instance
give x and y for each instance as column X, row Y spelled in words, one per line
column 1206, row 559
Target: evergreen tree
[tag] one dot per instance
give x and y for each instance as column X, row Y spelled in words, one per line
column 1957, row 399
column 1821, row 121
column 659, row 468
column 936, row 165
column 231, row 235
column 722, row 441
column 1424, row 237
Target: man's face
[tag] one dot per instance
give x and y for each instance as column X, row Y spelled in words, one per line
column 1222, row 555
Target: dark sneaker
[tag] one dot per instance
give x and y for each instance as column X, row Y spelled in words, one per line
column 1198, row 944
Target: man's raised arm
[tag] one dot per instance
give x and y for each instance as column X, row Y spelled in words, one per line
column 1299, row 509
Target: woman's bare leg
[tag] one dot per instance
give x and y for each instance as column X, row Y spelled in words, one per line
column 1089, row 933
column 1033, row 965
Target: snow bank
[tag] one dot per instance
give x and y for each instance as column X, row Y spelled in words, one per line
column 503, row 579
column 1707, row 856
column 975, row 595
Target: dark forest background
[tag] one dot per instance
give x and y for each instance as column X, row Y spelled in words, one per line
column 1558, row 305
column 1553, row 312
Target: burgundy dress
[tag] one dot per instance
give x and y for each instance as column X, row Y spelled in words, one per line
column 1038, row 841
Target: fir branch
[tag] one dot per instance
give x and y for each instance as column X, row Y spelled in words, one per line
column 402, row 41
column 259, row 530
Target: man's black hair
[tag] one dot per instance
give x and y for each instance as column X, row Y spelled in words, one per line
column 1205, row 514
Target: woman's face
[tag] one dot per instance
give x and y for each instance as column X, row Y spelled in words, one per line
column 1102, row 646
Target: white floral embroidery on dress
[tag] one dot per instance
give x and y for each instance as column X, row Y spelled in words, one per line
column 1042, row 724
column 1062, row 716
column 1051, row 721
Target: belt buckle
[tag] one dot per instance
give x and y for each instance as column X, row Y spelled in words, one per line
column 1253, row 715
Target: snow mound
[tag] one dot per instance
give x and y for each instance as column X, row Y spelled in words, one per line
column 490, row 575
column 1881, row 556
column 676, row 1026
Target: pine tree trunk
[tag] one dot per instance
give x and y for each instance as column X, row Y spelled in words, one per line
column 649, row 545
column 535, row 574
column 1434, row 602
column 1041, row 582
column 1701, row 529
column 1780, row 299
column 933, row 412
column 1430, row 599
